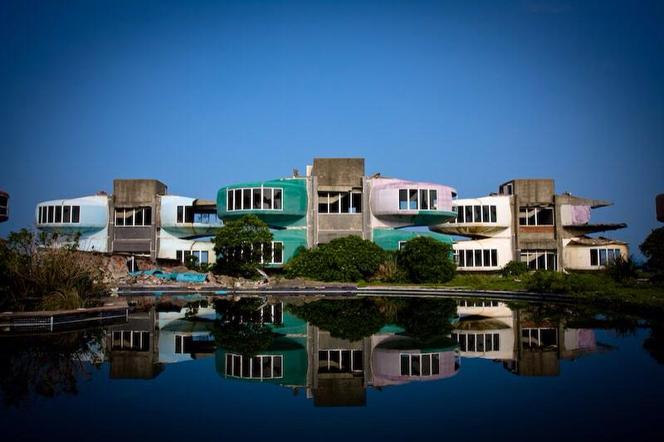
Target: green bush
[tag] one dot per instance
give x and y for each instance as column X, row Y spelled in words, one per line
column 425, row 260
column 346, row 259
column 621, row 270
column 514, row 268
column 389, row 270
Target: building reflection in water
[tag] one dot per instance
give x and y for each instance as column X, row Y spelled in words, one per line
column 527, row 346
column 338, row 372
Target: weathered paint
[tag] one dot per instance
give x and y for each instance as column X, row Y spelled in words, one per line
column 294, row 203
column 389, row 239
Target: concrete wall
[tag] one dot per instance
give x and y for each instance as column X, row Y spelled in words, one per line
column 338, row 173
column 134, row 193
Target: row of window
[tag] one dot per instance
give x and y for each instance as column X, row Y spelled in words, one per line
column 601, row 257
column 202, row 256
column 476, row 258
column 340, row 361
column 540, row 259
column 186, row 214
column 130, row 340
column 465, row 303
column 424, row 364
column 254, row 198
column 477, row 342
column 339, row 202
column 59, row 214
column 536, row 216
column 254, row 367
column 133, row 217
column 418, row 199
column 476, row 214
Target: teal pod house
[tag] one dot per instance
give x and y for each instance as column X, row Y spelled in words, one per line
column 392, row 239
column 281, row 204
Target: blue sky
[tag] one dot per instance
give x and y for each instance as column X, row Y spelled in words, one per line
column 202, row 94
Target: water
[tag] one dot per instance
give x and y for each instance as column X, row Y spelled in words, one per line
column 353, row 369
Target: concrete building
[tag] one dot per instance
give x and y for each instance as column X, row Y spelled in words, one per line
column 139, row 218
column 4, row 206
column 336, row 199
column 527, row 221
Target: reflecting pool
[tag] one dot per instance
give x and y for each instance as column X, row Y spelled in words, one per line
column 371, row 368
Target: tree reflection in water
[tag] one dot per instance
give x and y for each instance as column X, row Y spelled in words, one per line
column 239, row 327
column 47, row 365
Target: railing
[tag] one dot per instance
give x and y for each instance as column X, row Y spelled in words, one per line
column 61, row 319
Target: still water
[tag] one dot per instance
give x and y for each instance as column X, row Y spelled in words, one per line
column 349, row 369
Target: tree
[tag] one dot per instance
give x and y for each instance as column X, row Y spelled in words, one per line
column 653, row 249
column 426, row 260
column 241, row 245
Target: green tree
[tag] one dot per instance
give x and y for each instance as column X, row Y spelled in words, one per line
column 653, row 249
column 350, row 258
column 426, row 260
column 240, row 246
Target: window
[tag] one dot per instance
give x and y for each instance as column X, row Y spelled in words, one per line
column 256, row 367
column 254, row 198
column 539, row 259
column 536, row 216
column 602, row 256
column 424, row 364
column 3, row 205
column 59, row 214
column 126, row 217
column 477, row 342
column 418, row 199
column 340, row 361
column 130, row 340
column 188, row 214
column 202, row 256
column 477, row 258
column 476, row 214
column 339, row 202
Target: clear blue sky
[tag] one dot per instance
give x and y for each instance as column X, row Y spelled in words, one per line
column 200, row 95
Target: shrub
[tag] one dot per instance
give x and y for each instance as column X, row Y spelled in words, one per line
column 514, row 268
column 240, row 246
column 346, row 259
column 425, row 260
column 35, row 275
column 621, row 270
column 389, row 271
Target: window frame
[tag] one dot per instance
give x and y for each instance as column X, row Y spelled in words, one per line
column 252, row 195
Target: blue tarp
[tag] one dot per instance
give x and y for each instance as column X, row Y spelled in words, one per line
column 172, row 276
